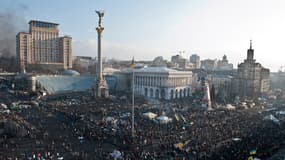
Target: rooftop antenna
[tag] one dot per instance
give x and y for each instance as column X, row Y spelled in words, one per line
column 250, row 43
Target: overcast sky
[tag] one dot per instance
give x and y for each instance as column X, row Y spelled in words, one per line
column 149, row 28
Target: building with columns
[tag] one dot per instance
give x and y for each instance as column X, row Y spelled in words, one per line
column 162, row 83
column 253, row 78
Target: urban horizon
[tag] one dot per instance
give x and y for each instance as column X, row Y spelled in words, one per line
column 146, row 43
column 138, row 82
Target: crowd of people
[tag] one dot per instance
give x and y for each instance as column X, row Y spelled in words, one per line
column 84, row 129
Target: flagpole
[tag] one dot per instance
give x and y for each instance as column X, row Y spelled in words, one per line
column 133, row 105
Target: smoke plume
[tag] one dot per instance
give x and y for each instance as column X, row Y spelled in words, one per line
column 11, row 22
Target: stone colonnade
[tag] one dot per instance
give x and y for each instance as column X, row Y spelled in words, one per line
column 163, row 86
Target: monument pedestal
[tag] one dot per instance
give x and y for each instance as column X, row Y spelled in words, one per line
column 101, row 89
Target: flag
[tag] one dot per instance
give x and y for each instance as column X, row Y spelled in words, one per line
column 186, row 142
column 133, row 63
column 176, row 117
column 183, row 118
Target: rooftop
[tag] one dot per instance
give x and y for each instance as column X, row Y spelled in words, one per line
column 37, row 21
column 159, row 70
column 156, row 69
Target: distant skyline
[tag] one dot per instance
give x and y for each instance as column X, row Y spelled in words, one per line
column 150, row 28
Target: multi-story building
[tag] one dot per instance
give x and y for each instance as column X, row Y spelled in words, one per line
column 163, row 83
column 253, row 78
column 159, row 62
column 180, row 62
column 224, row 65
column 23, row 46
column 209, row 64
column 160, row 83
column 42, row 47
column 223, row 84
column 195, row 60
column 278, row 80
column 83, row 61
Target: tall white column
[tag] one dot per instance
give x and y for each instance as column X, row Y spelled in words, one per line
column 99, row 67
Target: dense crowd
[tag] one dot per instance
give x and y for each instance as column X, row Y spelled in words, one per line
column 81, row 129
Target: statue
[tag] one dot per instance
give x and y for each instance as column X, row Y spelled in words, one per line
column 100, row 14
column 100, row 85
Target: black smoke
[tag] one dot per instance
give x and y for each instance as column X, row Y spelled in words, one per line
column 12, row 21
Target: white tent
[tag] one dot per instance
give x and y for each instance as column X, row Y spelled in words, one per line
column 149, row 115
column 164, row 119
column 236, row 139
column 110, row 119
column 230, row 107
column 116, row 154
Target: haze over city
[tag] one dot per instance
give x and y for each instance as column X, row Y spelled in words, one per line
column 146, row 29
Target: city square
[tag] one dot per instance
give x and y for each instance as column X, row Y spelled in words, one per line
column 128, row 90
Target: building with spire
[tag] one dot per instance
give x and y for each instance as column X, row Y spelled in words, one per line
column 252, row 78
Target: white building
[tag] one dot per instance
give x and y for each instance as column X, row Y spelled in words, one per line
column 209, row 64
column 224, row 65
column 163, row 83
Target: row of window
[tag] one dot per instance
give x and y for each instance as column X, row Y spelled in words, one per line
column 44, row 25
column 154, row 81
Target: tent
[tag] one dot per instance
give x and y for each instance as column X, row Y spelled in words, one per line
column 149, row 115
column 163, row 119
column 109, row 119
column 236, row 139
column 116, row 154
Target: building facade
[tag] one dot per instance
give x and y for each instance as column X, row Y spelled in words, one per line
column 209, row 64
column 163, row 83
column 159, row 62
column 180, row 62
column 42, row 47
column 224, row 65
column 195, row 60
column 222, row 83
column 253, row 78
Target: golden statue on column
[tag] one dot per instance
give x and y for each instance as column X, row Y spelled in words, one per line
column 100, row 89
